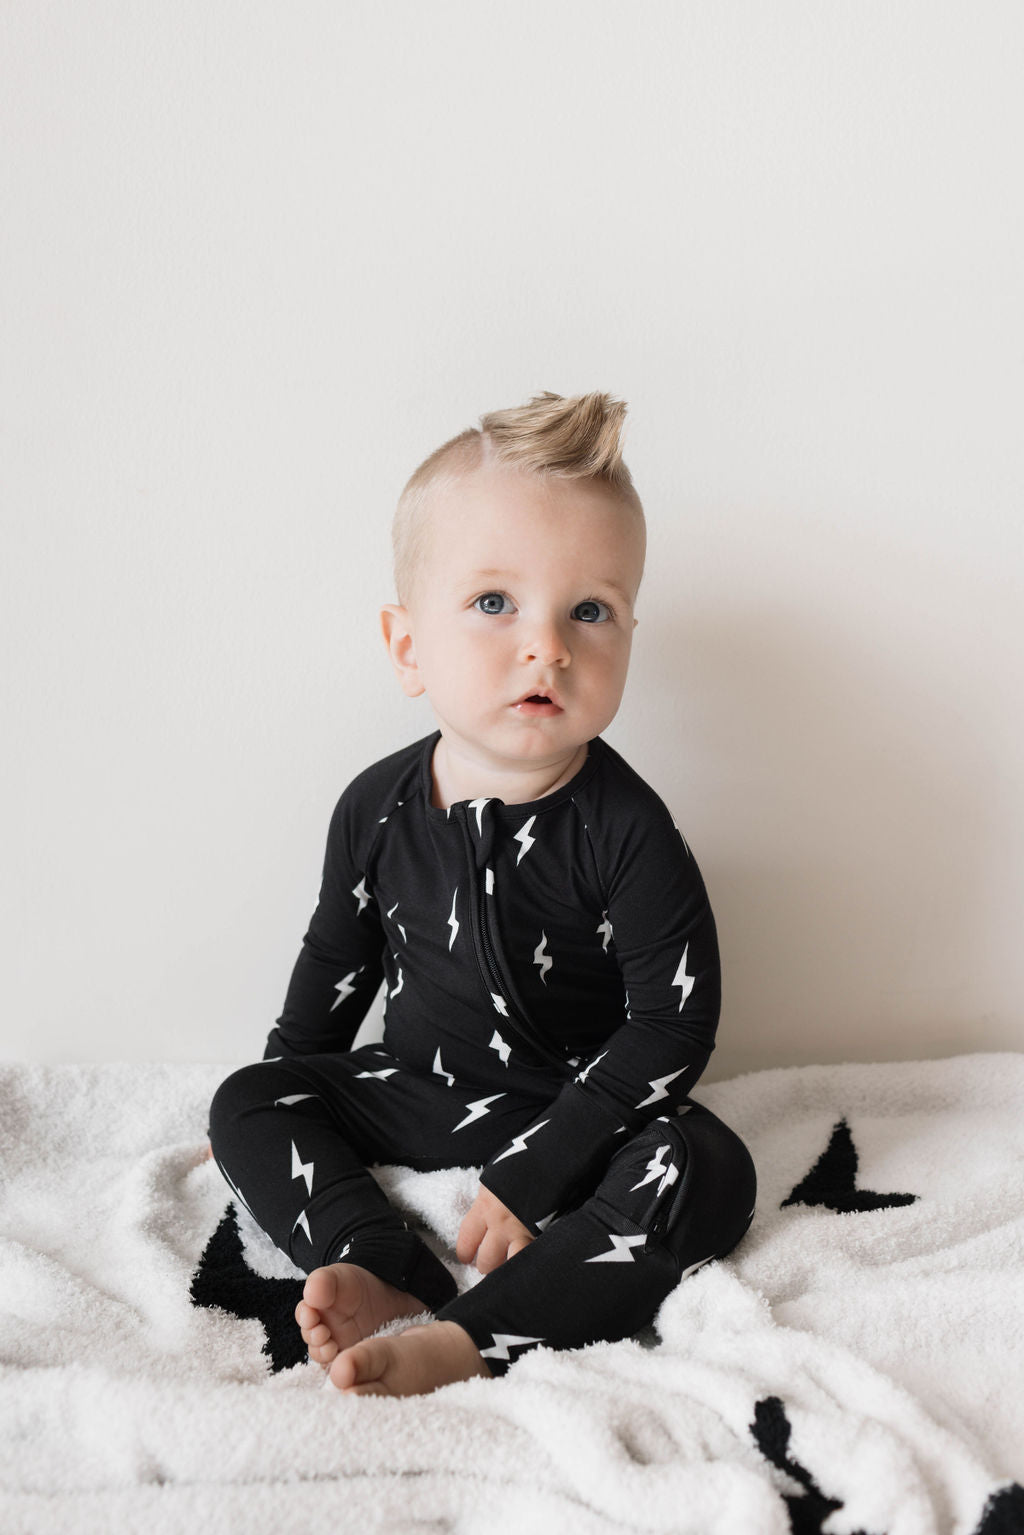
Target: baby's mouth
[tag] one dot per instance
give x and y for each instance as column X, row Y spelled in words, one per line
column 538, row 703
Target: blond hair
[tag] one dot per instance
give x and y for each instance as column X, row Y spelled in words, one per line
column 569, row 438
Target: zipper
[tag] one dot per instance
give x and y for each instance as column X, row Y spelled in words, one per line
column 490, row 965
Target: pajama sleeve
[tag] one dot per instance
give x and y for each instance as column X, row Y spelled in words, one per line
column 667, row 951
column 339, row 968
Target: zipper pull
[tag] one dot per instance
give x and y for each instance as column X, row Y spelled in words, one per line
column 481, row 825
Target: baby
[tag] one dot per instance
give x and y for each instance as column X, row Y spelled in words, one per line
column 545, row 942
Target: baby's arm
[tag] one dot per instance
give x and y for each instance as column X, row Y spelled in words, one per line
column 667, row 952
column 490, row 1233
column 339, row 968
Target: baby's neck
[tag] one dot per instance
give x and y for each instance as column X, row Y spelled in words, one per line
column 457, row 776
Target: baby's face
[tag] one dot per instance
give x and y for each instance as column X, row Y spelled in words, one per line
column 521, row 616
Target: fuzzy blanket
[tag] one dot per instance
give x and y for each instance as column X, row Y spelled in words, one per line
column 855, row 1365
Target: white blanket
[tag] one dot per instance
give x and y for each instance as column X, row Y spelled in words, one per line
column 858, row 1360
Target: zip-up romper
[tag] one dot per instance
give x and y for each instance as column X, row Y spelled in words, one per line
column 553, row 991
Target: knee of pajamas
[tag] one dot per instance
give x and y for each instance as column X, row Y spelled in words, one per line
column 688, row 1182
column 256, row 1086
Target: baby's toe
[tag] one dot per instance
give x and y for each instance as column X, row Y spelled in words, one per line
column 323, row 1353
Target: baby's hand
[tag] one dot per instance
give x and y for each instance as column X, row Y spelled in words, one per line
column 490, row 1233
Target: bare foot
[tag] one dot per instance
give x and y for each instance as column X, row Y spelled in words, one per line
column 344, row 1303
column 409, row 1363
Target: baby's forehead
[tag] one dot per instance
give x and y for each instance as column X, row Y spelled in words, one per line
column 471, row 494
column 502, row 520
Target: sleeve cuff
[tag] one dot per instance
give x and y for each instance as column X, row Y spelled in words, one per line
column 556, row 1161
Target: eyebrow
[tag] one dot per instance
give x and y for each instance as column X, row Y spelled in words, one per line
column 511, row 576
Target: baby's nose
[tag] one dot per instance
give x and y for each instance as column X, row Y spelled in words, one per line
column 548, row 644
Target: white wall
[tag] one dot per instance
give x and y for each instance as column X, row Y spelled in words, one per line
column 259, row 259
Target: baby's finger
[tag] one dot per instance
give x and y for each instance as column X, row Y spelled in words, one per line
column 473, row 1228
column 518, row 1245
column 493, row 1252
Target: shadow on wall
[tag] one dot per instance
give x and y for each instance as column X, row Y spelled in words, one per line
column 848, row 820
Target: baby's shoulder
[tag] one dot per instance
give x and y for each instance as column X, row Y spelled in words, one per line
column 373, row 796
column 620, row 792
column 401, row 772
column 628, row 822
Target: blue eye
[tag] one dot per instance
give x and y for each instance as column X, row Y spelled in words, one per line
column 493, row 603
column 592, row 611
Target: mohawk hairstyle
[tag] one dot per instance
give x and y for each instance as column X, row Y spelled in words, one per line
column 570, row 438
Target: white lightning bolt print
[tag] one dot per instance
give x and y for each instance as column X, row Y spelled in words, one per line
column 542, row 959
column 619, row 1252
column 523, row 837
column 659, row 1087
column 477, row 1110
column 453, row 921
column 671, row 1176
column 605, row 930
column 499, row 1004
column 304, row 1223
column 301, row 1169
column 497, row 1043
column 401, row 981
column 488, row 881
column 399, row 926
column 345, row 1250
column 234, row 1187
column 478, row 806
column 362, row 894
column 542, row 1225
column 656, row 1169
column 682, row 980
column 519, row 1141
column 439, row 1070
column 503, row 1341
column 590, row 1066
column 344, row 988
column 694, row 1266
column 293, row 1098
column 382, row 1075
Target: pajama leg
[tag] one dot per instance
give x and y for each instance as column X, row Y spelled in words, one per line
column 675, row 1196
column 279, row 1141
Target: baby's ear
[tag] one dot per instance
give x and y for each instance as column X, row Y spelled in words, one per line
column 396, row 624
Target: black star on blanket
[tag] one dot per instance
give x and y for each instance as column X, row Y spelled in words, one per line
column 809, row 1509
column 225, row 1281
column 832, row 1180
column 1003, row 1514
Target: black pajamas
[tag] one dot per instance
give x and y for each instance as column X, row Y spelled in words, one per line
column 552, row 996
